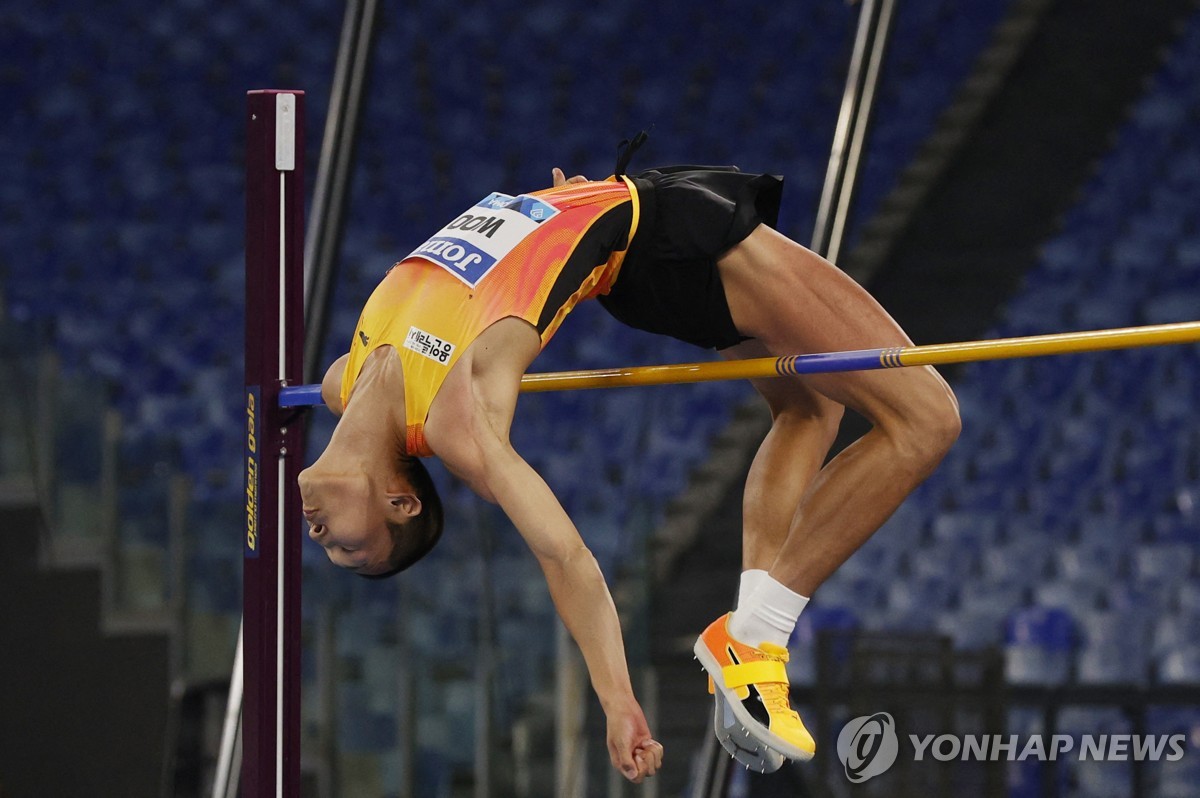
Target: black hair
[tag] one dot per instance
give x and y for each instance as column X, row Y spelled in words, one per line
column 416, row 537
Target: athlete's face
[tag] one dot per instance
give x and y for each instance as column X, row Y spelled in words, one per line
column 345, row 514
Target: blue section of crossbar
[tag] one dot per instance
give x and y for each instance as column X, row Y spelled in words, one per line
column 825, row 363
column 300, row 396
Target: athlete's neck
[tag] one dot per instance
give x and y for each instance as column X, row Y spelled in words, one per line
column 371, row 431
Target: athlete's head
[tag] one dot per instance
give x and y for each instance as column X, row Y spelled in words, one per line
column 375, row 525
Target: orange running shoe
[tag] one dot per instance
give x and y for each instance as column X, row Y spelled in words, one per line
column 754, row 683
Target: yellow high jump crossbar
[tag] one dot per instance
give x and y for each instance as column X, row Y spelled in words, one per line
column 859, row 360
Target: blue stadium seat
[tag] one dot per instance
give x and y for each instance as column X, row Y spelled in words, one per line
column 863, row 596
column 1076, row 596
column 1114, row 648
column 975, row 628
column 984, row 595
column 1024, row 560
column 1164, row 563
column 1180, row 665
column 907, row 527
column 1092, row 561
column 973, row 530
column 1039, row 642
column 917, row 594
column 1187, row 597
column 1173, row 631
column 951, row 562
column 802, row 663
column 876, row 559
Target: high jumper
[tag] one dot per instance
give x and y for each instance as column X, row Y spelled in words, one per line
column 435, row 366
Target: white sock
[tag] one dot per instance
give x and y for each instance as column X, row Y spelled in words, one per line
column 768, row 616
column 749, row 583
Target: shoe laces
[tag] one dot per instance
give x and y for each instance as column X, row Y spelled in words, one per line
column 774, row 695
column 774, row 652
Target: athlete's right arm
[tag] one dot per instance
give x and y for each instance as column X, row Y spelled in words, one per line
column 331, row 386
column 468, row 429
column 580, row 595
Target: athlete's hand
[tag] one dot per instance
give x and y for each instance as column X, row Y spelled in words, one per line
column 560, row 179
column 630, row 747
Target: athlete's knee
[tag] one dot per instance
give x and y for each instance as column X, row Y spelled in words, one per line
column 929, row 424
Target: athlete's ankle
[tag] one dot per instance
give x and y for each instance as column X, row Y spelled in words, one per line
column 769, row 615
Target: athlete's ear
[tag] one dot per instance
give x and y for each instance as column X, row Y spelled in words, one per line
column 406, row 505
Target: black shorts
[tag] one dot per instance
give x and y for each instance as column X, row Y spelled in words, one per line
column 690, row 217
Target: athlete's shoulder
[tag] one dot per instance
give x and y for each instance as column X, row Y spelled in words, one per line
column 331, row 385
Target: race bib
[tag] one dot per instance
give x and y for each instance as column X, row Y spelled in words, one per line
column 471, row 245
column 429, row 345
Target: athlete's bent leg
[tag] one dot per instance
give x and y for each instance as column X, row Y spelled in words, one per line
column 794, row 302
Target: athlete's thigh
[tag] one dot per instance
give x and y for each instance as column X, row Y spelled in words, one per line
column 795, row 302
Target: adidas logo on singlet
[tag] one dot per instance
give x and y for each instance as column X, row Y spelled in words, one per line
column 362, row 336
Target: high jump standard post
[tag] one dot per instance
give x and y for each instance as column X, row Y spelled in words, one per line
column 273, row 444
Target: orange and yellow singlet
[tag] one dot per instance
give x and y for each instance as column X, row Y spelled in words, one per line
column 533, row 256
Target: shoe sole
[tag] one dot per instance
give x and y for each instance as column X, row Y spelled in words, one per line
column 764, row 735
column 739, row 743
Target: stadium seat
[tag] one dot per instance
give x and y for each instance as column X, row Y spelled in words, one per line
column 1115, row 662
column 974, row 629
column 1174, row 630
column 1022, row 560
column 982, row 595
column 802, row 664
column 1187, row 598
column 1180, row 665
column 1079, row 597
column 1171, row 564
column 922, row 595
column 863, row 596
column 949, row 561
column 1091, row 561
column 974, row 530
column 1039, row 642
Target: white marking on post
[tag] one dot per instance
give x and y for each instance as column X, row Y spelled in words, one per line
column 285, row 132
column 285, row 161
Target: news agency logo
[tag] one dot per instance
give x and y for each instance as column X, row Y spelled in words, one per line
column 868, row 746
